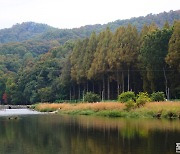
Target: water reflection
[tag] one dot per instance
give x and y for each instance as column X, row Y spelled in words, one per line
column 51, row 134
column 14, row 112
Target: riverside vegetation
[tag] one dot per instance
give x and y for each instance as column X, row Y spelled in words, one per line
column 131, row 106
column 114, row 109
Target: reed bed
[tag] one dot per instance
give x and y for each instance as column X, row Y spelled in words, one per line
column 163, row 105
column 79, row 106
column 115, row 109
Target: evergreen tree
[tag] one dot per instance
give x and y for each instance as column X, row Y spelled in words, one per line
column 99, row 67
column 173, row 59
column 153, row 53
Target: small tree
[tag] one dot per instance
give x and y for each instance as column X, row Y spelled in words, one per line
column 158, row 96
column 130, row 105
column 126, row 96
column 91, row 97
column 142, row 98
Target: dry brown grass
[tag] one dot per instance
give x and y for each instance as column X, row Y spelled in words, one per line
column 158, row 106
column 115, row 109
column 81, row 106
column 150, row 108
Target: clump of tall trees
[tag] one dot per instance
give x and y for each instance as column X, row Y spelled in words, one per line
column 111, row 63
column 107, row 64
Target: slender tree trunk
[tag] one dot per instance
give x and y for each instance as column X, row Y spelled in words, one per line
column 93, row 86
column 100, row 89
column 120, row 88
column 117, row 78
column 79, row 93
column 108, row 88
column 70, row 94
column 84, row 89
column 74, row 92
column 122, row 81
column 133, row 87
column 166, row 87
column 87, row 85
column 104, row 87
column 168, row 94
column 102, row 96
column 128, row 80
column 83, row 95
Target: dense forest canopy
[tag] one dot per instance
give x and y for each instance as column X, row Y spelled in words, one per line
column 50, row 67
column 42, row 32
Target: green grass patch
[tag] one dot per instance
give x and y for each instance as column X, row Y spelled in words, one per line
column 87, row 112
column 78, row 112
column 171, row 114
column 112, row 113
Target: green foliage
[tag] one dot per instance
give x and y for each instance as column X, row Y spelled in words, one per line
column 22, row 32
column 158, row 96
column 173, row 60
column 126, row 96
column 99, row 64
column 86, row 112
column 142, row 98
column 45, row 94
column 173, row 56
column 35, row 31
column 130, row 104
column 107, row 63
column 152, row 56
column 170, row 114
column 91, row 97
column 112, row 113
column 131, row 101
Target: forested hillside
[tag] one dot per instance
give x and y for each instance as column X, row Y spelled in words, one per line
column 107, row 63
column 23, row 32
column 41, row 32
column 34, row 38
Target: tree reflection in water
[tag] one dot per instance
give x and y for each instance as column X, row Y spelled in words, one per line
column 51, row 134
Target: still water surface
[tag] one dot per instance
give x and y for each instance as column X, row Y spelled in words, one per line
column 56, row 134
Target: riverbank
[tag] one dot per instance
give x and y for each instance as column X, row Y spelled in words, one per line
column 114, row 109
column 14, row 106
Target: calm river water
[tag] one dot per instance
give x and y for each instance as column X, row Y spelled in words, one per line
column 33, row 133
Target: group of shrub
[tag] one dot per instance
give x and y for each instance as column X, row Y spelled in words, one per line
column 129, row 98
column 91, row 97
column 133, row 101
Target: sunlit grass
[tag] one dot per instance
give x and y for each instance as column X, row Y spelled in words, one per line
column 80, row 106
column 115, row 109
column 161, row 109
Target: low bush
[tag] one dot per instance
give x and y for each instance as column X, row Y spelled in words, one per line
column 130, row 105
column 158, row 96
column 91, row 97
column 126, row 96
column 142, row 98
column 170, row 114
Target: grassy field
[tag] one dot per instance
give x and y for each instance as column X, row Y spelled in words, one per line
column 114, row 109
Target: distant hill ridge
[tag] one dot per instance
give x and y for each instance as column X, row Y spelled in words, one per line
column 43, row 32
